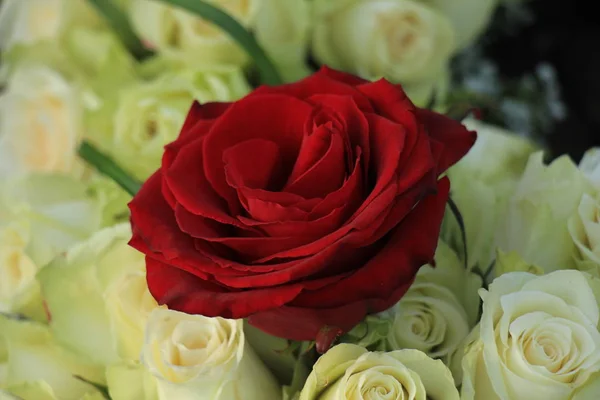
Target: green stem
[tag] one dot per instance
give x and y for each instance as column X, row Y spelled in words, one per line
column 108, row 167
column 461, row 224
column 120, row 24
column 245, row 39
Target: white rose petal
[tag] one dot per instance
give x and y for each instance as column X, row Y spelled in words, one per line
column 39, row 107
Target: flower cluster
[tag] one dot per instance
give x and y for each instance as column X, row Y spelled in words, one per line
column 333, row 237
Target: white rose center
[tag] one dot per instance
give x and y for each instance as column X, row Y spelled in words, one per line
column 180, row 347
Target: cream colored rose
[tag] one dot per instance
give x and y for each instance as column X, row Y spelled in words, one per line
column 148, row 115
column 349, row 371
column 403, row 41
column 196, row 357
column 536, row 221
column 469, row 18
column 38, row 107
column 538, row 338
column 34, row 367
column 17, row 270
column 584, row 227
column 439, row 309
column 179, row 33
column 482, row 186
column 98, row 297
column 584, row 224
column 30, row 21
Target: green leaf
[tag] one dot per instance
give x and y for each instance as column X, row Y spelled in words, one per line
column 108, row 167
column 267, row 70
column 120, row 24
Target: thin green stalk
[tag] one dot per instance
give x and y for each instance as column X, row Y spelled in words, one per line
column 245, row 39
column 108, row 167
column 120, row 24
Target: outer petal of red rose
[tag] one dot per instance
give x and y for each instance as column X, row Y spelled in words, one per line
column 185, row 292
column 391, row 102
column 297, row 323
column 197, row 123
column 278, row 118
column 317, row 83
column 340, row 76
column 249, row 248
column 330, row 265
column 156, row 232
column 412, row 245
column 457, row 139
column 192, row 190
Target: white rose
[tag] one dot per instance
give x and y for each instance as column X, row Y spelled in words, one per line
column 39, row 107
column 16, row 268
column 32, row 364
column 179, row 33
column 439, row 309
column 482, row 186
column 196, row 357
column 469, row 18
column 57, row 209
column 40, row 216
column 148, row 115
column 29, row 21
column 348, row 371
column 403, row 41
column 538, row 338
column 98, row 298
column 584, row 224
column 536, row 223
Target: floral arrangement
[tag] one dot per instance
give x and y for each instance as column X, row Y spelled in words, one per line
column 280, row 200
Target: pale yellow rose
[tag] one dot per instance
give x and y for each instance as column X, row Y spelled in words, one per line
column 584, row 224
column 196, row 357
column 349, row 371
column 538, row 338
column 470, row 18
column 40, row 216
column 482, row 186
column 179, row 33
column 536, row 222
column 439, row 310
column 17, row 269
column 148, row 115
column 280, row 27
column 98, row 298
column 30, row 21
column 40, row 123
column 35, row 367
column 403, row 41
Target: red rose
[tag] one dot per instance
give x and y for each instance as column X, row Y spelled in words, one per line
column 303, row 207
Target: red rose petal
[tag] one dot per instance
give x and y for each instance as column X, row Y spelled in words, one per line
column 192, row 190
column 186, row 293
column 314, row 146
column 322, row 82
column 412, row 245
column 254, row 163
column 326, row 175
column 456, row 139
column 276, row 118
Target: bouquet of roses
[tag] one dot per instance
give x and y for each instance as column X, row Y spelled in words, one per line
column 274, row 199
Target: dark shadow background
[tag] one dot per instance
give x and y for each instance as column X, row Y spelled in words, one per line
column 565, row 33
